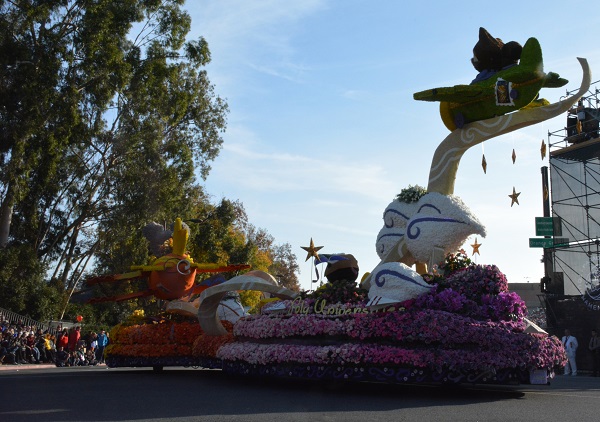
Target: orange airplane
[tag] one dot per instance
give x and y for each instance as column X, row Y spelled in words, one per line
column 169, row 277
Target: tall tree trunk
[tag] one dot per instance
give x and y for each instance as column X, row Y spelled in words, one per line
column 6, row 212
column 69, row 258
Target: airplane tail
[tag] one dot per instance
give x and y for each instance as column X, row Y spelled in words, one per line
column 531, row 56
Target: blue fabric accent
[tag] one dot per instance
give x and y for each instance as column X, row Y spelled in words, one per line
column 394, row 212
column 380, row 277
column 429, row 219
column 483, row 75
column 329, row 258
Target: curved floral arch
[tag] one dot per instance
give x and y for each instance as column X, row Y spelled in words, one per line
column 211, row 297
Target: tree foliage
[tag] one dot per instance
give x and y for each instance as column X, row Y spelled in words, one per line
column 106, row 117
column 285, row 267
column 22, row 286
column 108, row 121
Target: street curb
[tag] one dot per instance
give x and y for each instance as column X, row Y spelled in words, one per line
column 15, row 368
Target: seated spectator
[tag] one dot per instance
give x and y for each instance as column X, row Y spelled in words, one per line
column 50, row 348
column 21, row 343
column 4, row 351
column 62, row 357
column 91, row 357
column 12, row 347
column 40, row 344
column 32, row 353
column 78, row 357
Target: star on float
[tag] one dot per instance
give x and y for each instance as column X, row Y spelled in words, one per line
column 312, row 250
column 514, row 197
column 543, row 149
column 475, row 247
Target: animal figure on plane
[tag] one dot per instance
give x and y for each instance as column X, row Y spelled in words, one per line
column 509, row 79
column 172, row 275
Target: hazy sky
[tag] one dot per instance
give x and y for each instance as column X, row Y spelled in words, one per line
column 323, row 131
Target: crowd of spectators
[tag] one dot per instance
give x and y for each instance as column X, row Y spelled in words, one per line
column 22, row 344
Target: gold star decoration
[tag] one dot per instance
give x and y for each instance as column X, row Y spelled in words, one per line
column 475, row 247
column 514, row 156
column 484, row 164
column 546, row 193
column 514, row 197
column 543, row 149
column 312, row 250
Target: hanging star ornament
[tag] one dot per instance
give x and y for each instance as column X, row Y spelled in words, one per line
column 312, row 250
column 546, row 193
column 514, row 156
column 475, row 247
column 543, row 149
column 514, row 197
column 484, row 164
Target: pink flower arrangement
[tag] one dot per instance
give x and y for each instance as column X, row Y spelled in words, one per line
column 531, row 354
column 469, row 321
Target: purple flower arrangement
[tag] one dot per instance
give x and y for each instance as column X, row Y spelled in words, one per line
column 381, row 354
column 468, row 322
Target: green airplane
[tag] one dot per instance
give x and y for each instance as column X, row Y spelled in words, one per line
column 508, row 90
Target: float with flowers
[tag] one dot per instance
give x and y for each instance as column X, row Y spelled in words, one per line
column 425, row 314
column 467, row 327
column 166, row 339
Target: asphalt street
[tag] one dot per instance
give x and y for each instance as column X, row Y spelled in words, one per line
column 187, row 394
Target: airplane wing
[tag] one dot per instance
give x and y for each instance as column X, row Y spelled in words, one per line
column 216, row 268
column 120, row 298
column 452, row 94
column 113, row 277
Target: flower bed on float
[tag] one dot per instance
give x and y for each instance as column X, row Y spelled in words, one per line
column 451, row 334
column 468, row 328
column 162, row 341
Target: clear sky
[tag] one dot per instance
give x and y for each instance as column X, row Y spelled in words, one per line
column 323, row 131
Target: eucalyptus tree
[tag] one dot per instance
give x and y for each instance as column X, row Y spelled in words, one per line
column 106, row 117
column 285, row 266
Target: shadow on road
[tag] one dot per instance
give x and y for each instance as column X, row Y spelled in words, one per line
column 139, row 394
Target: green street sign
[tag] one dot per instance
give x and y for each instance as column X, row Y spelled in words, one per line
column 540, row 242
column 548, row 226
column 561, row 242
column 548, row 242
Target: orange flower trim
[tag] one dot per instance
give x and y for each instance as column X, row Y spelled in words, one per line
column 149, row 350
column 207, row 346
column 153, row 340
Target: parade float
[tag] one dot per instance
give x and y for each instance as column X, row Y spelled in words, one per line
column 426, row 313
column 166, row 339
